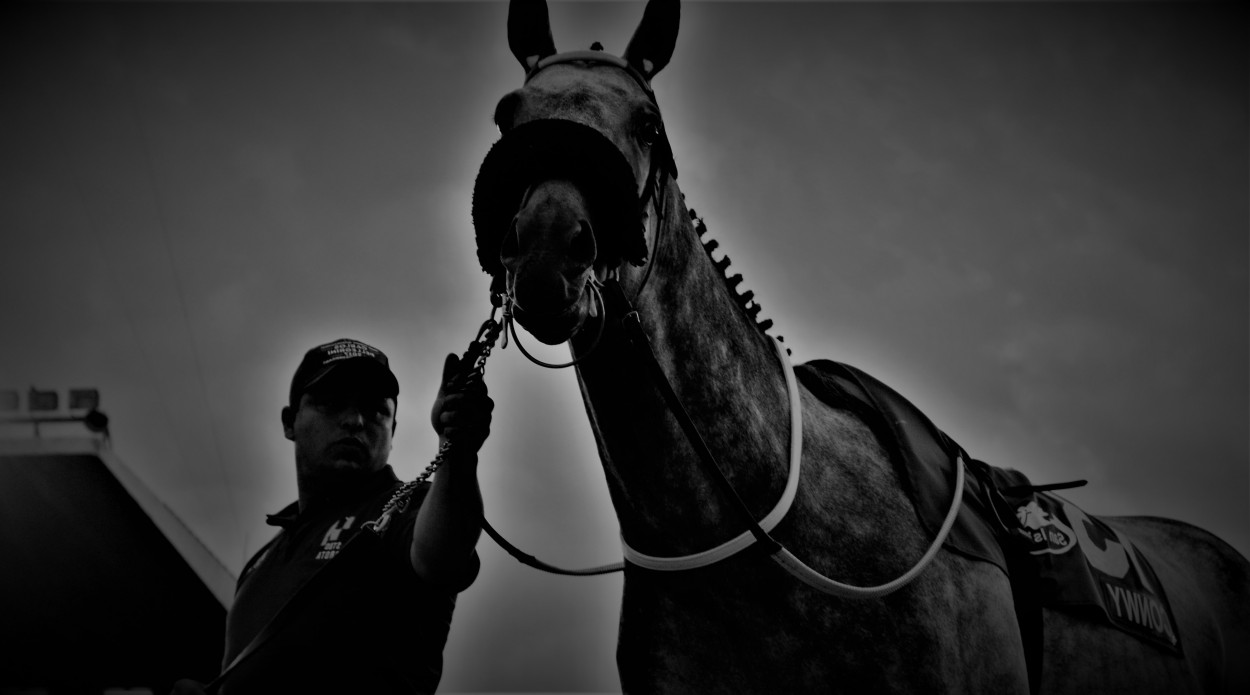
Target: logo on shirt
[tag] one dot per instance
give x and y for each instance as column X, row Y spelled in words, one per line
column 330, row 543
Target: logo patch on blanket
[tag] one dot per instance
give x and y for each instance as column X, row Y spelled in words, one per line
column 1093, row 565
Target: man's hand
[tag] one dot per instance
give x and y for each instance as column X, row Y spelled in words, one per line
column 462, row 410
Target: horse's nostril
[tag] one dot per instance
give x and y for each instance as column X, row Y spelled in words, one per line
column 511, row 246
column 582, row 246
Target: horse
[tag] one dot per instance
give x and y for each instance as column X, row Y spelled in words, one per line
column 586, row 234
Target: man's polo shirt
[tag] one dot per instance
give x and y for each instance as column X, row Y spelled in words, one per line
column 371, row 626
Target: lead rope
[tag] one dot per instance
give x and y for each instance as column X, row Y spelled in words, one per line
column 510, row 327
column 479, row 349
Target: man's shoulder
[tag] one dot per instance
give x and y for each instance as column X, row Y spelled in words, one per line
column 259, row 556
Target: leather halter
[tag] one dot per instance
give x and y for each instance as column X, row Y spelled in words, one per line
column 650, row 195
column 666, row 151
column 502, row 175
column 593, row 57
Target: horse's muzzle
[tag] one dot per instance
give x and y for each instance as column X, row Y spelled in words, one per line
column 549, row 149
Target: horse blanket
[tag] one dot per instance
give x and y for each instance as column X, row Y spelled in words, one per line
column 1055, row 554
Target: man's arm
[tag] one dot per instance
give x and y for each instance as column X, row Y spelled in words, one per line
column 449, row 521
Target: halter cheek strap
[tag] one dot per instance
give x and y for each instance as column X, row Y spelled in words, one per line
column 650, row 195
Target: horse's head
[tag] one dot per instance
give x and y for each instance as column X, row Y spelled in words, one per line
column 561, row 199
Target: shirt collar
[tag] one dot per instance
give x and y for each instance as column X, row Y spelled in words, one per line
column 290, row 516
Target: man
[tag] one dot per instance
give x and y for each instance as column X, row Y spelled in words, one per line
column 377, row 620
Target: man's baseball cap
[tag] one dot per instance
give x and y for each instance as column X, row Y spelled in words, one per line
column 323, row 359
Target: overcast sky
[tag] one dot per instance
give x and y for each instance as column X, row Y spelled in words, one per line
column 1031, row 219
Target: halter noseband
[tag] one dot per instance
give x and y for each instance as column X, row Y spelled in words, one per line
column 661, row 147
column 535, row 149
column 596, row 287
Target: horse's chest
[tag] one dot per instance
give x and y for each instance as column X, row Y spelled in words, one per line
column 759, row 633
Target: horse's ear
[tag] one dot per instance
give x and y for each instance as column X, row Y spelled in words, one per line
column 652, row 45
column 529, row 32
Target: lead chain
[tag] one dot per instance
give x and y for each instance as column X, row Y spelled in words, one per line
column 479, row 350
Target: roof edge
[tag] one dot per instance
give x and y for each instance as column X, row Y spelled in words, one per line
column 206, row 565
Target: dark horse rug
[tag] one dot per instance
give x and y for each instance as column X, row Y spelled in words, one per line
column 1055, row 554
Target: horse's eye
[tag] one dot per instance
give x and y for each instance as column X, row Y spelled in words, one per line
column 505, row 111
column 649, row 133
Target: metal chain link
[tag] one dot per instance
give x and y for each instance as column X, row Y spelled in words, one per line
column 475, row 356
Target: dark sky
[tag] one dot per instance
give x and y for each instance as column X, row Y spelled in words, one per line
column 1030, row 218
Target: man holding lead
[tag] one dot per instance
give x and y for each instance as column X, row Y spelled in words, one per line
column 375, row 620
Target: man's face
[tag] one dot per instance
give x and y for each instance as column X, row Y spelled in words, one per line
column 343, row 424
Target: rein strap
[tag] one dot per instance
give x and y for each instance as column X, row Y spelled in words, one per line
column 757, row 532
column 531, row 561
column 768, row 523
column 638, row 338
column 633, row 328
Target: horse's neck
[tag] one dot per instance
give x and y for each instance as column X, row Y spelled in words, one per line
column 726, row 373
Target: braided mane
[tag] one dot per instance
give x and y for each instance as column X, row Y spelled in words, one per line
column 746, row 300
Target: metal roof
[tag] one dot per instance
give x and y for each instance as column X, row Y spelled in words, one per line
column 101, row 585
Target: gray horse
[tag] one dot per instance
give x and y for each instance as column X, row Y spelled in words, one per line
column 579, row 219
